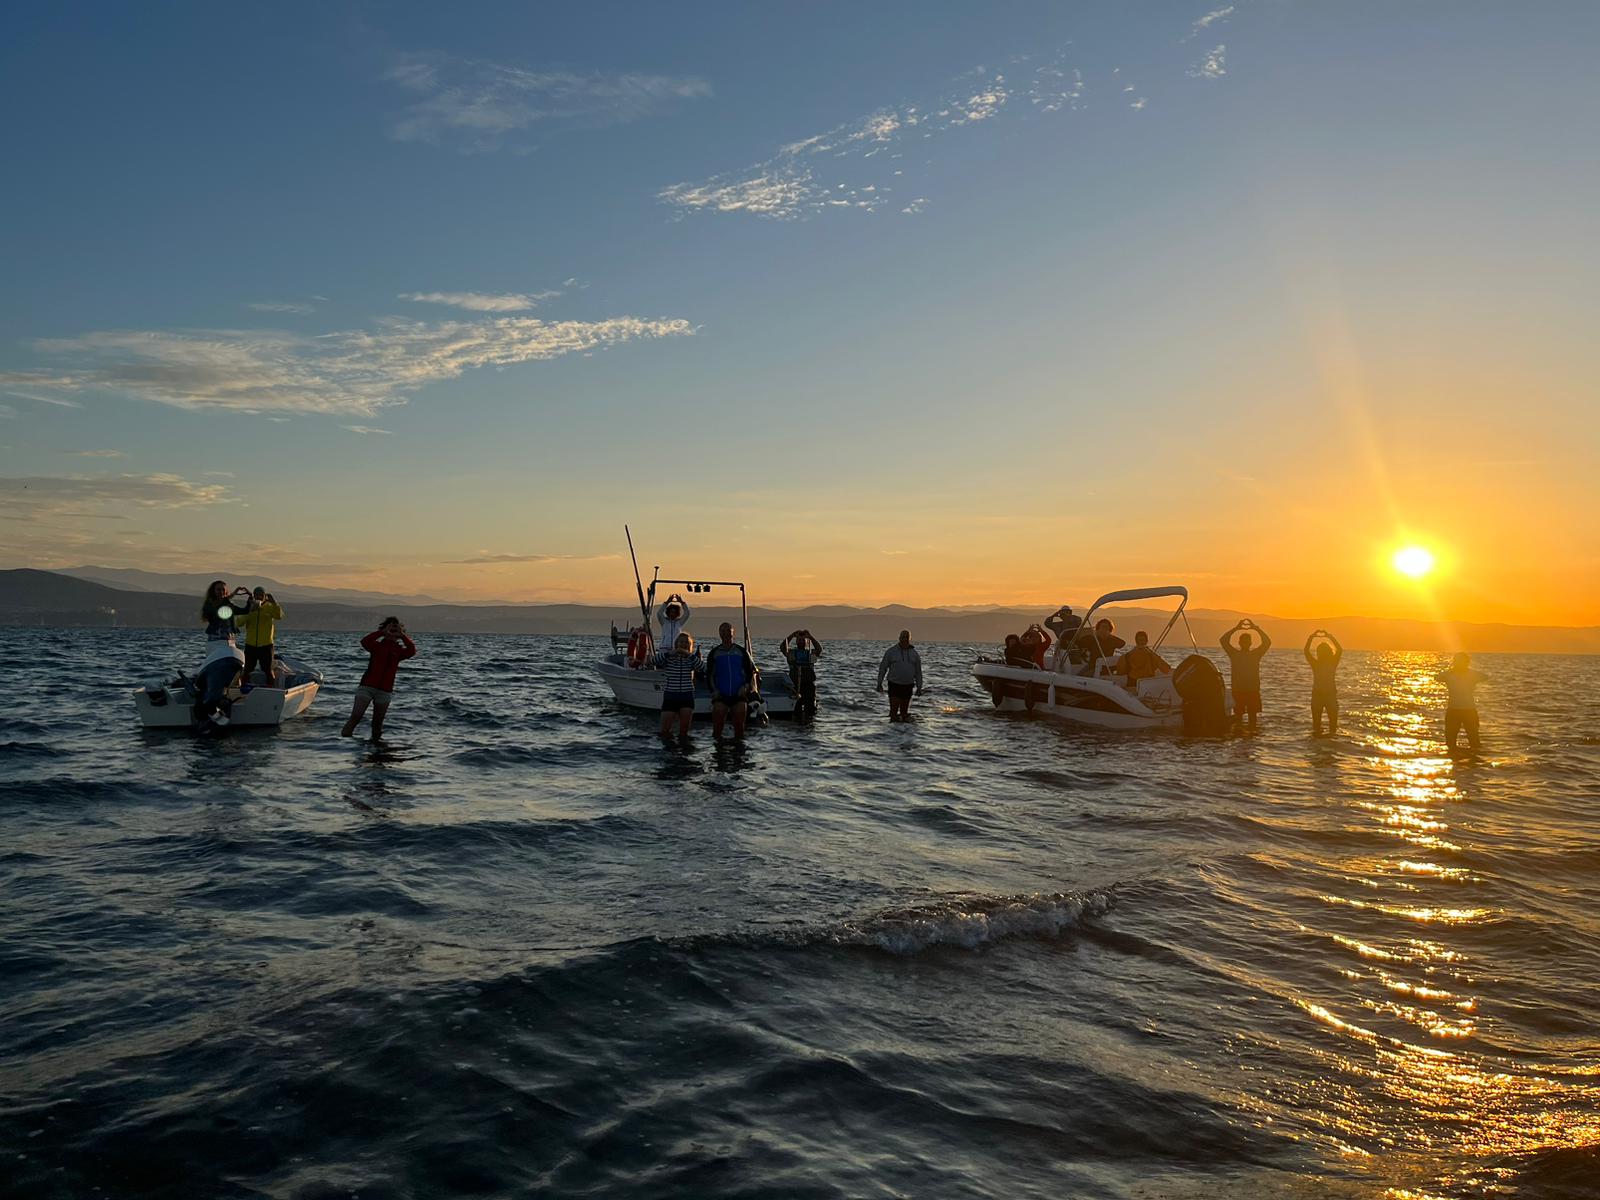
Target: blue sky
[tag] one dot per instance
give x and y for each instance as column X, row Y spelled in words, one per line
column 867, row 302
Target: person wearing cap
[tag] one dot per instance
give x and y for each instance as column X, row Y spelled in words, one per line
column 672, row 616
column 1064, row 624
column 260, row 625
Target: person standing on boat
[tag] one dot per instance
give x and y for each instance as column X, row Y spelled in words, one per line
column 222, row 660
column 1461, row 707
column 672, row 616
column 1244, row 661
column 802, row 658
column 260, row 627
column 683, row 665
column 733, row 677
column 1324, row 681
column 902, row 667
column 389, row 645
column 1063, row 623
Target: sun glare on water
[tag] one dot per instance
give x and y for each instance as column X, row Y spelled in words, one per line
column 1413, row 561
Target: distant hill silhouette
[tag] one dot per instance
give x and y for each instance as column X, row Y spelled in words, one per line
column 29, row 597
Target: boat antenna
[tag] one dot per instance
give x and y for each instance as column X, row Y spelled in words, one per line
column 644, row 609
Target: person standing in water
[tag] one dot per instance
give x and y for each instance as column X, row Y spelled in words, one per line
column 389, row 645
column 1244, row 661
column 733, row 678
column 1461, row 705
column 683, row 666
column 222, row 661
column 1324, row 683
column 260, row 627
column 902, row 666
column 802, row 658
column 673, row 615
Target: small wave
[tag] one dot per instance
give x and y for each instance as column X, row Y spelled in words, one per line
column 30, row 750
column 967, row 922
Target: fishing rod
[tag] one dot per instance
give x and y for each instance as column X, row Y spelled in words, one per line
column 644, row 609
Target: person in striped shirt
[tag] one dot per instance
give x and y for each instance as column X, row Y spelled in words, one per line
column 683, row 665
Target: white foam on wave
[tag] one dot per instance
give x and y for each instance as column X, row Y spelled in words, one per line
column 970, row 921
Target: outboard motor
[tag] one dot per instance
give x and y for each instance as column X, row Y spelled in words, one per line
column 1205, row 697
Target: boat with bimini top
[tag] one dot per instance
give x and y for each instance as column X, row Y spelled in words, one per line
column 1078, row 683
column 630, row 670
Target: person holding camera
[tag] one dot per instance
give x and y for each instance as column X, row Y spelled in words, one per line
column 260, row 625
column 389, row 645
column 801, row 651
column 221, row 664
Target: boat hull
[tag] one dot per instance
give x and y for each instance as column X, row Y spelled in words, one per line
column 641, row 689
column 163, row 709
column 1102, row 702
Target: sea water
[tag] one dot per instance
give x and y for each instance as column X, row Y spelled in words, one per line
column 522, row 948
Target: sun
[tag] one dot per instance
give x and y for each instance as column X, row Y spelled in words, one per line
column 1413, row 561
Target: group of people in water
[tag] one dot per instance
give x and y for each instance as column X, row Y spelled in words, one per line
column 255, row 614
column 731, row 675
column 1081, row 649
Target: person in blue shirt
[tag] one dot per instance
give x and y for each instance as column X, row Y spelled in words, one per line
column 802, row 658
column 732, row 675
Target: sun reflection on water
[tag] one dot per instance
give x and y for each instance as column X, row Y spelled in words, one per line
column 1410, row 1011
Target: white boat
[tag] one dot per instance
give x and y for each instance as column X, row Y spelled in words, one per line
column 634, row 679
column 170, row 704
column 1067, row 689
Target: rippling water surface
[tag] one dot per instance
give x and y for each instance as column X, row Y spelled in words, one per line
column 522, row 948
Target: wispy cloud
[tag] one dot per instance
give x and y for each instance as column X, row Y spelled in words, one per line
column 99, row 454
column 1206, row 22
column 482, row 301
column 7, row 413
column 38, row 496
column 369, row 429
column 1212, row 66
column 485, row 558
column 851, row 165
column 302, row 307
column 58, row 401
column 348, row 372
column 478, row 105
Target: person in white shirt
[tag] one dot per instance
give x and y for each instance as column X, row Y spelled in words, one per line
column 1461, row 703
column 673, row 615
column 903, row 667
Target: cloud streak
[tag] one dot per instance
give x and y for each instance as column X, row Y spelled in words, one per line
column 484, row 558
column 35, row 497
column 300, row 307
column 1206, row 22
column 482, row 301
column 346, row 373
column 833, row 170
column 478, row 105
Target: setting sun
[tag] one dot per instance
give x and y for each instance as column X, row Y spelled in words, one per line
column 1413, row 561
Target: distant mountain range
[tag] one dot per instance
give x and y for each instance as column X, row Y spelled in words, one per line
column 130, row 579
column 29, row 597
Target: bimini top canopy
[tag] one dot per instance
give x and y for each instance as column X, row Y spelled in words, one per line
column 1152, row 593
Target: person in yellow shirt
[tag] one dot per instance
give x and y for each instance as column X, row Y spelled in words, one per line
column 260, row 625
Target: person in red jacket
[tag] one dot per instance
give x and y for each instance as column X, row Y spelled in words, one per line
column 389, row 645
